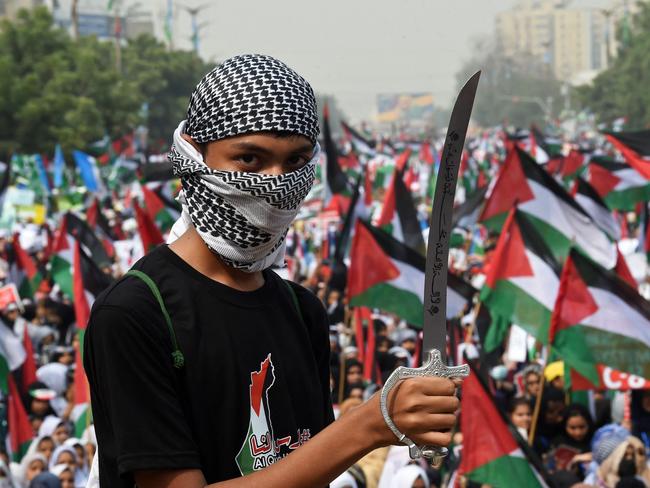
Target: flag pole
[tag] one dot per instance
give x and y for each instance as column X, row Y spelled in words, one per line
column 538, row 405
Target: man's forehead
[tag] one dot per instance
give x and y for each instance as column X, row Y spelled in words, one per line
column 267, row 141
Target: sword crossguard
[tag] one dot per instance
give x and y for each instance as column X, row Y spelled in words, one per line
column 433, row 366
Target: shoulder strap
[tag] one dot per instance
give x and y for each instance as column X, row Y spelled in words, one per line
column 294, row 297
column 178, row 360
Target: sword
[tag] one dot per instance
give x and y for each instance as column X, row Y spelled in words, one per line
column 435, row 282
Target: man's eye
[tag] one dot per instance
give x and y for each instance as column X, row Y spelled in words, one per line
column 297, row 160
column 249, row 159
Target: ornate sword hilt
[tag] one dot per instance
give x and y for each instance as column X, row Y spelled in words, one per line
column 433, row 366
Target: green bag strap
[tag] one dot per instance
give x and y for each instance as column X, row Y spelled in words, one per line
column 178, row 360
column 294, row 297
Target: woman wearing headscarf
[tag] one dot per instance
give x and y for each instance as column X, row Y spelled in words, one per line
column 66, row 454
column 204, row 341
column 411, row 476
column 549, row 422
column 574, row 440
column 43, row 444
column 31, row 465
column 56, row 428
column 628, row 460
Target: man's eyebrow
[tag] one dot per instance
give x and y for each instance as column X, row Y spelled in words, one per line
column 250, row 146
column 304, row 148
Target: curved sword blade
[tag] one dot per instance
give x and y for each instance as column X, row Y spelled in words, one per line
column 435, row 283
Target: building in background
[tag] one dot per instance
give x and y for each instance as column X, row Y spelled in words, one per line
column 575, row 43
column 123, row 20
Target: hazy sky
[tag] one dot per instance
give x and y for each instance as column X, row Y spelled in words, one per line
column 352, row 49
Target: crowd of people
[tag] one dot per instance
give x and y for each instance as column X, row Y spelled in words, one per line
column 601, row 440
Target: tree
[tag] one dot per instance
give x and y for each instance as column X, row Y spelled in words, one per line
column 164, row 80
column 518, row 90
column 622, row 89
column 54, row 89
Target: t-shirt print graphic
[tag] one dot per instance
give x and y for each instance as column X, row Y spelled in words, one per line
column 260, row 447
column 257, row 451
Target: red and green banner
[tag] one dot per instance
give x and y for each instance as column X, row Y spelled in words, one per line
column 557, row 217
column 619, row 184
column 599, row 319
column 491, row 455
column 522, row 282
column 27, row 277
column 149, row 232
column 20, row 429
column 388, row 275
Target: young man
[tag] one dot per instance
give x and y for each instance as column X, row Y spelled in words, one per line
column 234, row 391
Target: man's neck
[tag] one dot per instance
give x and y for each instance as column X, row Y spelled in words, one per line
column 191, row 249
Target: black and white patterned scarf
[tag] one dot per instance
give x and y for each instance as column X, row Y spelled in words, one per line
column 243, row 216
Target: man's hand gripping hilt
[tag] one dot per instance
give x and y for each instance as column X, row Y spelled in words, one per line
column 433, row 366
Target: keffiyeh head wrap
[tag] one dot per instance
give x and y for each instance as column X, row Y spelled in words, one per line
column 251, row 93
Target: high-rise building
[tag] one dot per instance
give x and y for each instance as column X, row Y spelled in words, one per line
column 575, row 43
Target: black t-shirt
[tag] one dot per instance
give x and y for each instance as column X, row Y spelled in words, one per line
column 255, row 384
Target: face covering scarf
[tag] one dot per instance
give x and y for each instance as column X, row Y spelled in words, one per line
column 242, row 217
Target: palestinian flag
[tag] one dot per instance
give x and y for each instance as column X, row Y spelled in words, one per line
column 635, row 148
column 620, row 185
column 491, row 454
column 28, row 369
column 536, row 146
column 398, row 215
column 81, row 231
column 600, row 319
column 12, row 354
column 26, row 276
column 426, row 153
column 557, row 217
column 466, row 214
column 62, row 258
column 590, row 201
column 572, row 164
column 360, row 143
column 337, row 181
column 522, row 282
column 20, row 429
column 157, row 209
column 388, row 275
column 100, row 226
column 149, row 232
column 459, row 295
column 81, row 414
column 88, row 282
column 338, row 276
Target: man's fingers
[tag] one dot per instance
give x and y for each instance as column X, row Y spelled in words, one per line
column 430, row 385
column 419, row 423
column 446, row 404
column 436, row 439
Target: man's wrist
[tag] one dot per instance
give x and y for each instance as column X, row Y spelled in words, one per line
column 368, row 424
